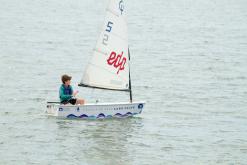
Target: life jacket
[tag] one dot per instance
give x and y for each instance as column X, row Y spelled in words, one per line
column 67, row 90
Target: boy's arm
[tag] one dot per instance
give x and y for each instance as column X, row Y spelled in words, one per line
column 72, row 91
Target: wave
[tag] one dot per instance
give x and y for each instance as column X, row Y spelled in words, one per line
column 101, row 116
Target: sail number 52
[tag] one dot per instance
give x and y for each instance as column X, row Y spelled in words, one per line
column 108, row 30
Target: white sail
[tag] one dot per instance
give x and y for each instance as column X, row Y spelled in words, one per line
column 109, row 65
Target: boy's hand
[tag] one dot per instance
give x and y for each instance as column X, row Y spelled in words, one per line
column 75, row 93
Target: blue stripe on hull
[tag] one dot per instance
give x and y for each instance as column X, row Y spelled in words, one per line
column 101, row 116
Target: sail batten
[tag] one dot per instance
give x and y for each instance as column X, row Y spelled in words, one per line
column 109, row 65
column 120, row 37
column 112, row 12
column 101, row 52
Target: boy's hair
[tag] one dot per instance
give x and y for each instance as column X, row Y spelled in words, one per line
column 65, row 78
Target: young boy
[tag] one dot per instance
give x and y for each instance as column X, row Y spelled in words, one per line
column 66, row 93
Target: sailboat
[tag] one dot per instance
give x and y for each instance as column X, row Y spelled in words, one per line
column 108, row 69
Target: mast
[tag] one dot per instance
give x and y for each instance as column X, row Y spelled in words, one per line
column 130, row 90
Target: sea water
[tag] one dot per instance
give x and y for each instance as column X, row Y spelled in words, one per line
column 189, row 63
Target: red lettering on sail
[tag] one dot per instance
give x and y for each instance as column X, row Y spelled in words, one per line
column 118, row 61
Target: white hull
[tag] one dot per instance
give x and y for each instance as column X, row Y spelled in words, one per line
column 94, row 111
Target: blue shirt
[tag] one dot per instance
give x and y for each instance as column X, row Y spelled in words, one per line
column 65, row 93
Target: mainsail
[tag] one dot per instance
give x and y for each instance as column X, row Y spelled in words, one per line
column 109, row 65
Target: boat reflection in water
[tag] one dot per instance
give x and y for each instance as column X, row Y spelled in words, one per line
column 99, row 141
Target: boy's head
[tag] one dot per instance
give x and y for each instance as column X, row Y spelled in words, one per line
column 65, row 78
